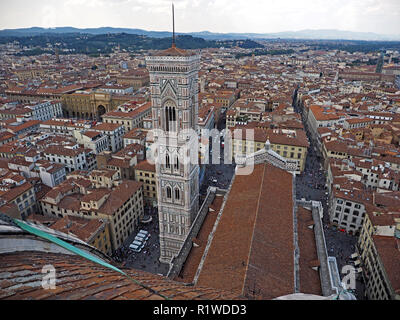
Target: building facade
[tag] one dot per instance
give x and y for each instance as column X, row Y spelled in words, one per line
column 174, row 90
column 146, row 174
column 379, row 255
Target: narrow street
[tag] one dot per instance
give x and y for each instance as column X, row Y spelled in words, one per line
column 311, row 185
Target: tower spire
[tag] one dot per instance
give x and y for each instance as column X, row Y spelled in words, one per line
column 173, row 26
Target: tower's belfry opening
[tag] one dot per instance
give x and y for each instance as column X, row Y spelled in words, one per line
column 174, row 77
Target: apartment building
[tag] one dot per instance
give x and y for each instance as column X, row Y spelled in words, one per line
column 51, row 174
column 357, row 123
column 94, row 232
column 72, row 156
column 104, row 178
column 121, row 207
column 93, row 140
column 43, row 111
column 21, row 127
column 114, row 132
column 15, row 189
column 206, row 119
column 323, row 117
column 136, row 78
column 135, row 136
column 379, row 255
column 117, row 89
column 146, row 174
column 290, row 144
column 124, row 161
column 347, row 209
column 6, row 137
column 130, row 115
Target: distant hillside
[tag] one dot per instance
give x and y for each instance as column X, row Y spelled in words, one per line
column 106, row 43
column 304, row 34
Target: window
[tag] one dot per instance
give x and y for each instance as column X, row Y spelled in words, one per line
column 177, row 194
column 170, row 116
column 169, row 193
column 167, row 162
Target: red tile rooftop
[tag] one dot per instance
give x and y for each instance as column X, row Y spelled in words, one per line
column 193, row 260
column 83, row 229
column 85, row 280
column 107, row 127
column 146, row 166
column 252, row 249
column 322, row 114
column 174, row 51
column 388, row 249
column 310, row 282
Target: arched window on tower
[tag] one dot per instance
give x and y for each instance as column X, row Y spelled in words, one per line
column 170, row 117
column 176, row 163
column 169, row 193
column 177, row 194
column 167, row 162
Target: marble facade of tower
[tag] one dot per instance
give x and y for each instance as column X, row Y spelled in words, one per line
column 174, row 95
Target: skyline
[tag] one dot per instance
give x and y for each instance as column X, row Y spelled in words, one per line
column 377, row 16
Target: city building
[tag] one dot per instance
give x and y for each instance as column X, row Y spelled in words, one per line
column 93, row 140
column 114, row 132
column 15, row 189
column 289, row 144
column 379, row 255
column 145, row 173
column 130, row 115
column 121, row 207
column 72, row 157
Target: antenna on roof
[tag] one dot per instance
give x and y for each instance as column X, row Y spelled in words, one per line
column 173, row 26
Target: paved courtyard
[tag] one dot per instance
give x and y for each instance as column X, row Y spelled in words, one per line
column 148, row 259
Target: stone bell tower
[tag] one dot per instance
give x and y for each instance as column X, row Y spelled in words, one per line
column 174, row 95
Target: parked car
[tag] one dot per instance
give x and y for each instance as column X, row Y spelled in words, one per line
column 136, row 248
column 142, row 237
column 137, row 243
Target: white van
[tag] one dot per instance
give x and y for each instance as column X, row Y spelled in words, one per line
column 142, row 237
column 143, row 234
column 136, row 248
column 137, row 243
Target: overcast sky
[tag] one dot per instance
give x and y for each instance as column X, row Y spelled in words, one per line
column 262, row 16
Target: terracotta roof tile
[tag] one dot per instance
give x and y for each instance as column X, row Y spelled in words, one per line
column 252, row 250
